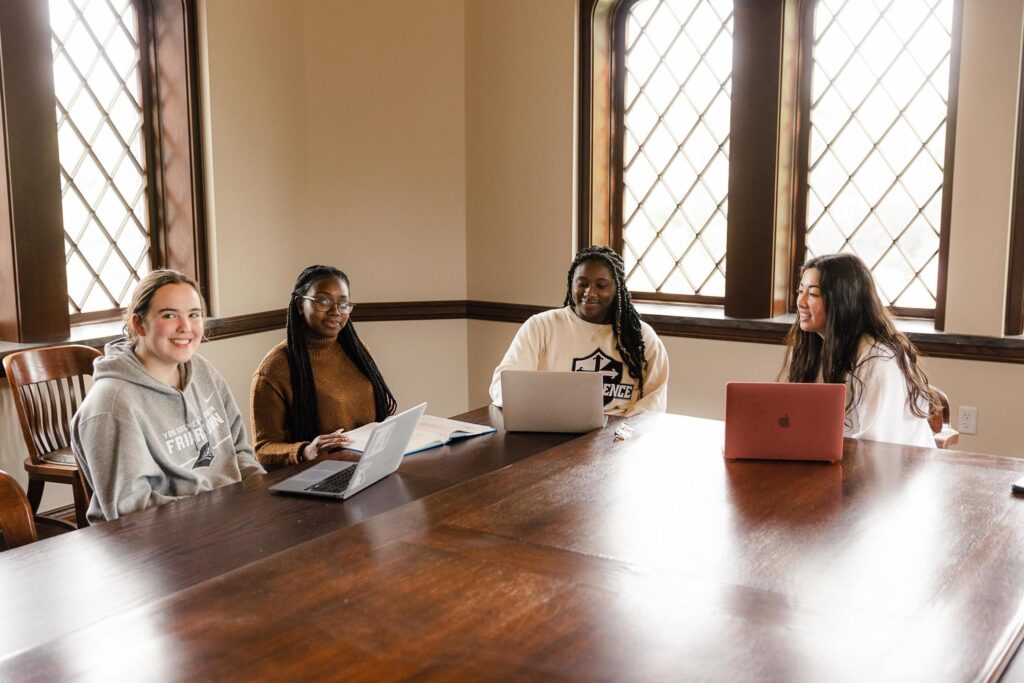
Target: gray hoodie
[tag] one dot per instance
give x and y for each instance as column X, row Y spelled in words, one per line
column 143, row 443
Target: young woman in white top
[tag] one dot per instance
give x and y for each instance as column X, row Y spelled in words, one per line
column 597, row 330
column 843, row 334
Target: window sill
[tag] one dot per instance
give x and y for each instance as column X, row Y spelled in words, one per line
column 90, row 334
column 710, row 322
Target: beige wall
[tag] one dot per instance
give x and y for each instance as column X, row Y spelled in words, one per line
column 336, row 134
column 982, row 180
column 254, row 141
column 520, row 141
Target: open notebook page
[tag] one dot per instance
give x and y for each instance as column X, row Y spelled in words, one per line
column 431, row 432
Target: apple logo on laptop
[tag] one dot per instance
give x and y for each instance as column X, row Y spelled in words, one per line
column 784, row 421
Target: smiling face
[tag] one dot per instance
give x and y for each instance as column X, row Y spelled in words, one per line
column 810, row 307
column 171, row 329
column 593, row 291
column 326, row 324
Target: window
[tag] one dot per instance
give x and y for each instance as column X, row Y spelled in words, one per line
column 97, row 80
column 675, row 178
column 879, row 100
column 836, row 139
column 123, row 189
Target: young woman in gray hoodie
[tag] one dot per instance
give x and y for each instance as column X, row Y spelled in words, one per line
column 160, row 422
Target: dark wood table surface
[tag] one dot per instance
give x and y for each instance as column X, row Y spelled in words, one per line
column 585, row 559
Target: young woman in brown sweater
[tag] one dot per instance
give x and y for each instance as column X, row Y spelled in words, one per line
column 320, row 381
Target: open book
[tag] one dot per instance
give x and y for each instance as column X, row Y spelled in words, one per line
column 431, row 432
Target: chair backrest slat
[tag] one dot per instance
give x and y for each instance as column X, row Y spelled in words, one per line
column 34, row 416
column 64, row 421
column 77, row 392
column 49, row 410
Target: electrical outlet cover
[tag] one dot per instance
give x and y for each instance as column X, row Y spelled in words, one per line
column 967, row 420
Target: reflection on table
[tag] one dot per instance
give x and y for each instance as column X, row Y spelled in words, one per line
column 547, row 556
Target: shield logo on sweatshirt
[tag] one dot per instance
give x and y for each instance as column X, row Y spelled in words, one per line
column 205, row 458
column 611, row 369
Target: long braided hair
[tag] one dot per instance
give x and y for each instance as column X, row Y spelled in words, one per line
column 303, row 417
column 629, row 339
column 852, row 310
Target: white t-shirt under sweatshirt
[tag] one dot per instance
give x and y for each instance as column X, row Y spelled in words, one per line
column 882, row 412
column 562, row 341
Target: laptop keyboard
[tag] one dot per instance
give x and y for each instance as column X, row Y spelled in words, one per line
column 336, row 483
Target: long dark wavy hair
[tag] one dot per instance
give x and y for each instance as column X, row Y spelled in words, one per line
column 852, row 310
column 303, row 417
column 629, row 339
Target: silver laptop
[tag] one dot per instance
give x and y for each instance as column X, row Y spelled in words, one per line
column 340, row 479
column 540, row 401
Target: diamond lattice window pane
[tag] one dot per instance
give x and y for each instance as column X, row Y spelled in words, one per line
column 99, row 118
column 660, row 147
column 871, row 241
column 659, row 205
column 678, row 236
column 678, row 76
column 878, row 113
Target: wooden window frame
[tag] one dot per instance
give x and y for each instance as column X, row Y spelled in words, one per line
column 33, row 279
column 768, row 149
column 1014, row 316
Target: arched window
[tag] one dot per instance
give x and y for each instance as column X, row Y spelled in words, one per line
column 877, row 126
column 674, row 183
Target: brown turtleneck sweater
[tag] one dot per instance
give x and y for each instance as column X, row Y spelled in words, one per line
column 344, row 399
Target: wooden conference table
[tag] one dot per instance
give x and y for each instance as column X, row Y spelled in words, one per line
column 528, row 556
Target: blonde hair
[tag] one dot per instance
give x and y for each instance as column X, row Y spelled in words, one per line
column 147, row 289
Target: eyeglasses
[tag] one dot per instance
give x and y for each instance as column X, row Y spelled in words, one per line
column 323, row 304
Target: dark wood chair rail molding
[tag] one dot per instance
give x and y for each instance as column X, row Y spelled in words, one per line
column 710, row 323
column 266, row 321
column 668, row 320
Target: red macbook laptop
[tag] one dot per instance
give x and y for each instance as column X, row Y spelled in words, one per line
column 783, row 421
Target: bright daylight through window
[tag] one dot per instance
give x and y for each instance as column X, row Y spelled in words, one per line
column 676, row 157
column 100, row 136
column 878, row 135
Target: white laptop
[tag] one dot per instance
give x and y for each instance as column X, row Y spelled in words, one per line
column 541, row 401
column 382, row 456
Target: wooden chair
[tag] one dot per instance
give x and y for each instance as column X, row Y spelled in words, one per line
column 48, row 386
column 16, row 519
column 945, row 435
